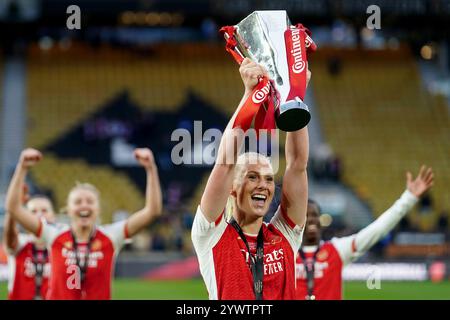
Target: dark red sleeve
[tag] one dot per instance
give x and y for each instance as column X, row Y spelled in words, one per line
column 286, row 217
column 125, row 231
column 219, row 218
column 39, row 230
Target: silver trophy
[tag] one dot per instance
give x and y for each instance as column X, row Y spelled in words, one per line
column 261, row 37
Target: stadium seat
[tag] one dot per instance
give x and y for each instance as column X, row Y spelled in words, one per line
column 380, row 120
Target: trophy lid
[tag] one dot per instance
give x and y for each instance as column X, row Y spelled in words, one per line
column 256, row 40
column 278, row 14
column 277, row 19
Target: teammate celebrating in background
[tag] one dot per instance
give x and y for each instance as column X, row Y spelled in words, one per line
column 29, row 268
column 242, row 257
column 82, row 254
column 319, row 264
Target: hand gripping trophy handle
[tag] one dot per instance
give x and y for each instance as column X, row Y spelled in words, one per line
column 268, row 38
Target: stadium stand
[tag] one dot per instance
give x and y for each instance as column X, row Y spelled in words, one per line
column 2, row 254
column 1, row 99
column 380, row 120
column 65, row 91
column 63, row 86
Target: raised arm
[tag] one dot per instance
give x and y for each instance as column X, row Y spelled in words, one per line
column 14, row 196
column 153, row 196
column 220, row 181
column 294, row 199
column 354, row 246
column 10, row 233
column 378, row 229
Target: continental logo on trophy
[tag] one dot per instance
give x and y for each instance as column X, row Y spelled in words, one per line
column 269, row 38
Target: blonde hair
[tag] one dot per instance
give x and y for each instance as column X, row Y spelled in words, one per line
column 241, row 165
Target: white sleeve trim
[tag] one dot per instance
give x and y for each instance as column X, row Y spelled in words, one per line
column 205, row 235
column 49, row 232
column 116, row 233
column 344, row 247
column 293, row 235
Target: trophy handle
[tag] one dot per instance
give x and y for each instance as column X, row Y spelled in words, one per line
column 235, row 48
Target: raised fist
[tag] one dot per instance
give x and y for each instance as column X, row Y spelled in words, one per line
column 29, row 158
column 145, row 157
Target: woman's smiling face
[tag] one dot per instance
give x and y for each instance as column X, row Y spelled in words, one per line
column 83, row 207
column 255, row 188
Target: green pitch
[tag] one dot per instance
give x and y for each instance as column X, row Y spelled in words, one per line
column 195, row 289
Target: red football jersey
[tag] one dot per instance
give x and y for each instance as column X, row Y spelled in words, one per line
column 336, row 254
column 330, row 260
column 65, row 282
column 224, row 260
column 22, row 270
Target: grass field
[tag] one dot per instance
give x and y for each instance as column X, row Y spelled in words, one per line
column 195, row 290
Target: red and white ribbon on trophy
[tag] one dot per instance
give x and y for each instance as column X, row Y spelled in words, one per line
column 298, row 44
column 261, row 104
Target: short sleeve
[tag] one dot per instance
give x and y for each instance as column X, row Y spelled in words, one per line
column 345, row 246
column 48, row 232
column 205, row 234
column 117, row 232
column 292, row 232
